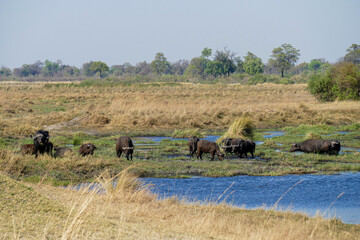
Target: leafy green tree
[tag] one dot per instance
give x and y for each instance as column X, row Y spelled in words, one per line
column 206, row 53
column 228, row 59
column 252, row 64
column 5, row 72
column 353, row 54
column 100, row 67
column 51, row 68
column 197, row 67
column 316, row 64
column 215, row 68
column 160, row 65
column 284, row 57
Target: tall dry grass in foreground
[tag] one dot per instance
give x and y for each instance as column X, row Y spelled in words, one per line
column 26, row 107
column 130, row 211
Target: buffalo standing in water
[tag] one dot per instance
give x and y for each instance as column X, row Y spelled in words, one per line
column 193, row 141
column 317, row 146
column 124, row 144
column 87, row 149
column 205, row 146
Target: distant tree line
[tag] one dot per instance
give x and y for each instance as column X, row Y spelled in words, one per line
column 222, row 65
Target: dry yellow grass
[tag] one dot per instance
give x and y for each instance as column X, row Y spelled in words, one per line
column 26, row 107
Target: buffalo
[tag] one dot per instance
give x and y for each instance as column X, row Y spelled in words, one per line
column 231, row 144
column 30, row 149
column 239, row 146
column 62, row 151
column 205, row 146
column 124, row 144
column 42, row 143
column 192, row 143
column 87, row 149
column 317, row 146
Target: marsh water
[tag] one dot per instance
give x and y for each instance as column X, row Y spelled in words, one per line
column 329, row 195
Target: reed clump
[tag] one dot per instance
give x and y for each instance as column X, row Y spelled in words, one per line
column 242, row 128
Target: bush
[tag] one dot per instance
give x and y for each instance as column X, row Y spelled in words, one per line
column 341, row 82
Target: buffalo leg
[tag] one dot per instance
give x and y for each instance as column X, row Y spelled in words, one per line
column 118, row 153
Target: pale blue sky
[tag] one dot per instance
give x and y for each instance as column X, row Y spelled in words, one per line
column 78, row 31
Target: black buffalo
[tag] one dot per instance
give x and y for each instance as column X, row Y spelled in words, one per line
column 62, row 151
column 87, row 149
column 124, row 144
column 317, row 146
column 239, row 146
column 42, row 143
column 192, row 143
column 205, row 146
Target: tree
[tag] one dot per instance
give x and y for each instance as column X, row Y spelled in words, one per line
column 5, row 72
column 197, row 67
column 179, row 67
column 284, row 57
column 100, row 67
column 206, row 53
column 51, row 68
column 252, row 64
column 228, row 59
column 353, row 54
column 160, row 65
column 215, row 68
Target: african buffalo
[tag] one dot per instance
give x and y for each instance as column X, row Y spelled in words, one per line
column 246, row 146
column 317, row 146
column 62, row 151
column 205, row 146
column 41, row 143
column 230, row 144
column 30, row 149
column 87, row 149
column 193, row 141
column 124, row 144
column 239, row 146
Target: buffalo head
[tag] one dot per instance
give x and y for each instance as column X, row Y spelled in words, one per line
column 295, row 147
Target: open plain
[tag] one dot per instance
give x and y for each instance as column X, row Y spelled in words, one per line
column 100, row 112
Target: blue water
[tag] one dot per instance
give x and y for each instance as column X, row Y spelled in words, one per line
column 314, row 193
column 273, row 134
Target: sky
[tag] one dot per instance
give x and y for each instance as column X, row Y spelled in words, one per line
column 115, row 32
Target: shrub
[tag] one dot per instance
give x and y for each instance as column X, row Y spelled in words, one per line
column 341, row 82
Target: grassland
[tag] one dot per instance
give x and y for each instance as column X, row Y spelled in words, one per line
column 76, row 113
column 101, row 112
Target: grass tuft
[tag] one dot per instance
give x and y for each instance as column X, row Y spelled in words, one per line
column 242, row 127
